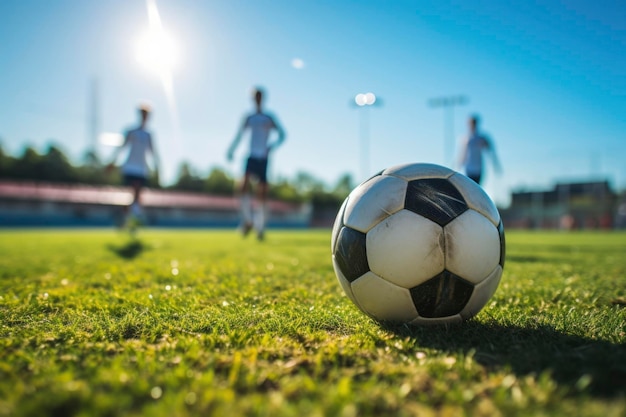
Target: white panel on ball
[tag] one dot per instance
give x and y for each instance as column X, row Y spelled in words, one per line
column 475, row 197
column 472, row 246
column 343, row 281
column 374, row 200
column 482, row 293
column 337, row 225
column 382, row 299
column 405, row 249
column 419, row 171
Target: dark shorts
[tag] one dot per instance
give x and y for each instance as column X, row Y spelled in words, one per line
column 257, row 168
column 475, row 177
column 132, row 180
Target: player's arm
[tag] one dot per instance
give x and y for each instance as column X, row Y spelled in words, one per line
column 238, row 136
column 494, row 157
column 281, row 135
column 155, row 156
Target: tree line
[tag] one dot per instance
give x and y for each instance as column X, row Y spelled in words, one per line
column 54, row 166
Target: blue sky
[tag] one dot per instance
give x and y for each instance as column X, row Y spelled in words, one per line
column 548, row 79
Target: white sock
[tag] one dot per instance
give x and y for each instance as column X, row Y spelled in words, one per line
column 260, row 215
column 246, row 208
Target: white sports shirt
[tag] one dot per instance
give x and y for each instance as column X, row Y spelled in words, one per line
column 140, row 143
column 260, row 125
column 474, row 153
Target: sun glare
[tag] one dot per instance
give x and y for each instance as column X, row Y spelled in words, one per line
column 157, row 51
column 297, row 63
column 111, row 139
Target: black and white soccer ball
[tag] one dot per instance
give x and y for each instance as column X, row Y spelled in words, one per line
column 418, row 244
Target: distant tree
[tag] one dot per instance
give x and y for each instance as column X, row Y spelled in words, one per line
column 324, row 203
column 306, row 183
column 6, row 164
column 111, row 177
column 323, row 200
column 343, row 187
column 284, row 190
column 55, row 167
column 219, row 182
column 91, row 159
column 28, row 166
column 187, row 179
column 92, row 170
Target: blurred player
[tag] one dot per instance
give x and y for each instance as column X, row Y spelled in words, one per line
column 472, row 155
column 136, row 170
column 261, row 126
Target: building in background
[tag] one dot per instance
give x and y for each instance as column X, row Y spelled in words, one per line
column 48, row 204
column 568, row 206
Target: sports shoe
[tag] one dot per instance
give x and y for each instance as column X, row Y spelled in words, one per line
column 245, row 229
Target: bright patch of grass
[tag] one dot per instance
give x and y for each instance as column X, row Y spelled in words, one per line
column 183, row 323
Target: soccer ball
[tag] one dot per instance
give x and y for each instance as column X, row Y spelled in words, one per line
column 418, row 244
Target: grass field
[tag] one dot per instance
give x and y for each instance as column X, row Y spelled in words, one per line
column 182, row 323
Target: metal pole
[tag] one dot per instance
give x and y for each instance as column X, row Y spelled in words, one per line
column 365, row 142
column 364, row 101
column 93, row 116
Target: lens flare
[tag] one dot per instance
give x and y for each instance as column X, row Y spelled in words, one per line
column 159, row 53
column 297, row 63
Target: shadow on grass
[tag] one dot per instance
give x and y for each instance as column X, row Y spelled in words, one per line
column 581, row 364
column 129, row 250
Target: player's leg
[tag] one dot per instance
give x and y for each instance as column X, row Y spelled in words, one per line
column 476, row 178
column 129, row 181
column 135, row 207
column 261, row 211
column 136, row 211
column 245, row 202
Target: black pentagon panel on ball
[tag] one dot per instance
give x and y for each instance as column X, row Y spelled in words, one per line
column 442, row 296
column 436, row 199
column 338, row 224
column 350, row 253
column 502, row 244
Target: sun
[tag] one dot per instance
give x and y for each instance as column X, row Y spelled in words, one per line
column 157, row 51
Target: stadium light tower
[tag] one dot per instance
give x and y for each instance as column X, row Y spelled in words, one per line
column 448, row 103
column 93, row 111
column 364, row 101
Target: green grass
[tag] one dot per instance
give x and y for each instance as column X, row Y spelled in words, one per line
column 194, row 323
